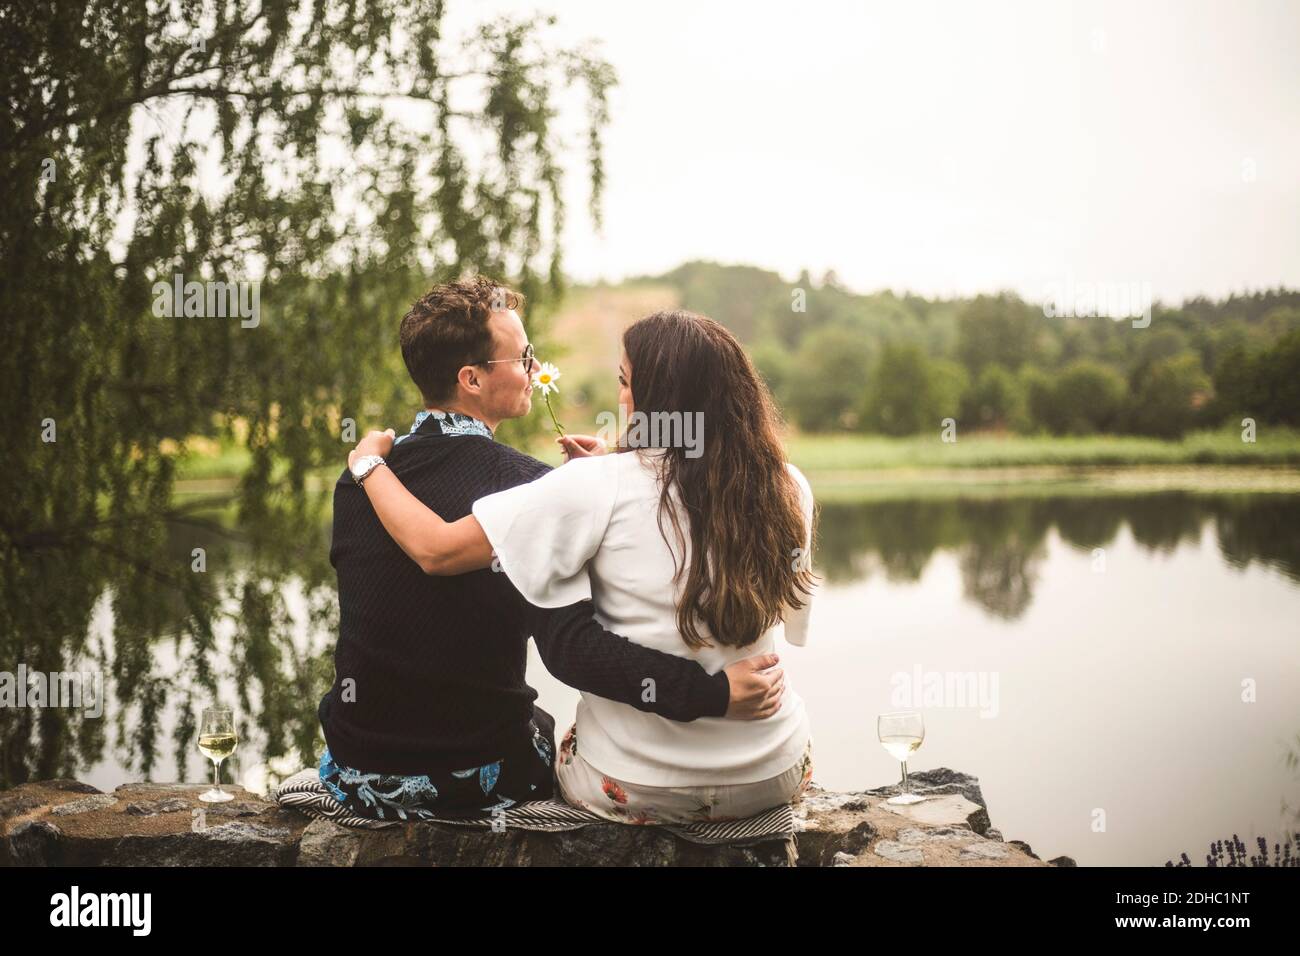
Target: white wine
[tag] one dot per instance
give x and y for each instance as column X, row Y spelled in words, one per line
column 901, row 746
column 217, row 740
column 218, row 746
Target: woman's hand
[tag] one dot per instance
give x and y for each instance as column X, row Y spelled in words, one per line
column 375, row 443
column 581, row 446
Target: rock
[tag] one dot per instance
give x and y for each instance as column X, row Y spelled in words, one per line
column 939, row 780
column 235, row 808
column 144, row 824
column 825, row 825
column 940, row 786
column 899, row 853
column 1062, row 861
column 599, row 844
column 985, row 850
column 98, row 802
column 828, row 823
column 153, row 787
column 913, row 835
column 953, row 817
column 16, row 802
column 66, row 786
column 1023, row 846
column 148, row 808
column 64, row 822
column 325, row 843
column 30, row 844
column 246, row 832
column 255, row 846
column 940, row 811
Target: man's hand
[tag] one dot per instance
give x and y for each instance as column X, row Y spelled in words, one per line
column 375, row 443
column 757, row 686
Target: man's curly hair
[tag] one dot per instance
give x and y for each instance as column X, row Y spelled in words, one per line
column 446, row 329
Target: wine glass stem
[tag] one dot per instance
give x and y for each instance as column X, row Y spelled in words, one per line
column 216, row 775
column 906, row 786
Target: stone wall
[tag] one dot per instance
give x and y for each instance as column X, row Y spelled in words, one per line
column 64, row 822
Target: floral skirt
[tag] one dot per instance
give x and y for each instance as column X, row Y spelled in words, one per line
column 584, row 786
column 524, row 772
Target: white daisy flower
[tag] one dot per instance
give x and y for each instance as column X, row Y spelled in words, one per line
column 544, row 378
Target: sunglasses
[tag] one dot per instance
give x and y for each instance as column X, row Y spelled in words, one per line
column 526, row 359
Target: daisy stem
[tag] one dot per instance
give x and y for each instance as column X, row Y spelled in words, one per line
column 558, row 428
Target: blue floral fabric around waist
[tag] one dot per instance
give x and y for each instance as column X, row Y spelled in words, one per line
column 424, row 796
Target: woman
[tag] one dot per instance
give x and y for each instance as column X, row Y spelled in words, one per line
column 696, row 552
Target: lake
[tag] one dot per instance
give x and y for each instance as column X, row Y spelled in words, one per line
column 1121, row 671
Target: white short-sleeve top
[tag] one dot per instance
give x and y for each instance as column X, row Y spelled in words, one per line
column 588, row 530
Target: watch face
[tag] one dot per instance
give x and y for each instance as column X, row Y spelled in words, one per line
column 361, row 467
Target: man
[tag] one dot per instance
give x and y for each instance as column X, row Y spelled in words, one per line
column 430, row 712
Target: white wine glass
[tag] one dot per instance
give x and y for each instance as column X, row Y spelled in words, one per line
column 901, row 734
column 217, row 741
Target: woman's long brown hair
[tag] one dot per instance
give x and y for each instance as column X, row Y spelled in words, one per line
column 742, row 504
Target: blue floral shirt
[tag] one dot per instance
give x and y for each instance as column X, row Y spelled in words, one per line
column 451, row 423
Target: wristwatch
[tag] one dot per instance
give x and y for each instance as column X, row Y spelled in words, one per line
column 364, row 466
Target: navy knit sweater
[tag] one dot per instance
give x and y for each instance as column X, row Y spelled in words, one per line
column 429, row 671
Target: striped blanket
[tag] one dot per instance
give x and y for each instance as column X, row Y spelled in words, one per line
column 304, row 791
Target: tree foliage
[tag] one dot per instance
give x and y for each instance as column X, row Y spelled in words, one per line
column 1026, row 370
column 826, row 381
column 336, row 157
column 910, row 393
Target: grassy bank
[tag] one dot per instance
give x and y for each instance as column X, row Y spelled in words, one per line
column 847, row 464
column 857, row 467
column 826, row 453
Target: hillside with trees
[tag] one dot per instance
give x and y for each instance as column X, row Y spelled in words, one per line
column 839, row 361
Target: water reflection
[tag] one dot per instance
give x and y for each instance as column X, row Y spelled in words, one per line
column 1000, row 542
column 257, row 628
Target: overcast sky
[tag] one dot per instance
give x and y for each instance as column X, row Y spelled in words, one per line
column 948, row 148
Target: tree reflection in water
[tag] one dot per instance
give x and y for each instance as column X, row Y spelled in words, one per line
column 262, row 619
